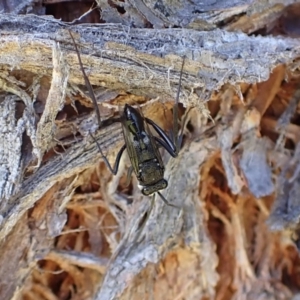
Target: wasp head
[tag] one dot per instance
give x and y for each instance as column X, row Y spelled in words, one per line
column 150, row 189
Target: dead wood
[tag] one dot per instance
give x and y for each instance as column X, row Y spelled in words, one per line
column 143, row 61
column 69, row 230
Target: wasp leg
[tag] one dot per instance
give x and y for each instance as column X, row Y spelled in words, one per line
column 166, row 146
column 173, row 143
column 128, row 177
column 162, row 134
column 167, row 202
column 167, row 141
column 113, row 170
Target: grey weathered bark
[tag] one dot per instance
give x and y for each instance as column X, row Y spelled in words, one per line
column 143, row 62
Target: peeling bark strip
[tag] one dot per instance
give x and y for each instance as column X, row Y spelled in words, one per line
column 201, row 15
column 142, row 60
column 10, row 151
column 80, row 157
column 54, row 103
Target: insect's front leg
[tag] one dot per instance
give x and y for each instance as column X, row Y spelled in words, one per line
column 166, row 146
column 167, row 142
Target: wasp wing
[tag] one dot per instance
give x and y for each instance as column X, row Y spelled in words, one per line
column 154, row 145
column 129, row 141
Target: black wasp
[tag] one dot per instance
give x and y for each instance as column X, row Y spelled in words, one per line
column 142, row 146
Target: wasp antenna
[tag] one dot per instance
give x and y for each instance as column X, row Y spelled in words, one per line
column 87, row 82
column 175, row 111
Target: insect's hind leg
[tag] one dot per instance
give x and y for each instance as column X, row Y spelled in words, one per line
column 114, row 169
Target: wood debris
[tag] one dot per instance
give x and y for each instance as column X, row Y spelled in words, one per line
column 71, row 230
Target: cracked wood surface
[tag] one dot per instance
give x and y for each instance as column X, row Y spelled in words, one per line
column 139, row 58
column 145, row 63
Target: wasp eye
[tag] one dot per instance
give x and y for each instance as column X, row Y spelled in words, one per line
column 164, row 184
column 146, row 191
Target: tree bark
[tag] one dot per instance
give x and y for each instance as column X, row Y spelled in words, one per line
column 71, row 230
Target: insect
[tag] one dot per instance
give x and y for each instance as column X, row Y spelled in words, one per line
column 141, row 145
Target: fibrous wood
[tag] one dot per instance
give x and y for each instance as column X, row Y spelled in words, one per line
column 71, row 230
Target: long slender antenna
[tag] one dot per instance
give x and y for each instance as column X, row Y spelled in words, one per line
column 175, row 112
column 87, row 83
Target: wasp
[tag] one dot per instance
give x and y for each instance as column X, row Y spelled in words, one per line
column 141, row 145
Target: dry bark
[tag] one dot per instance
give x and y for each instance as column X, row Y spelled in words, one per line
column 66, row 223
